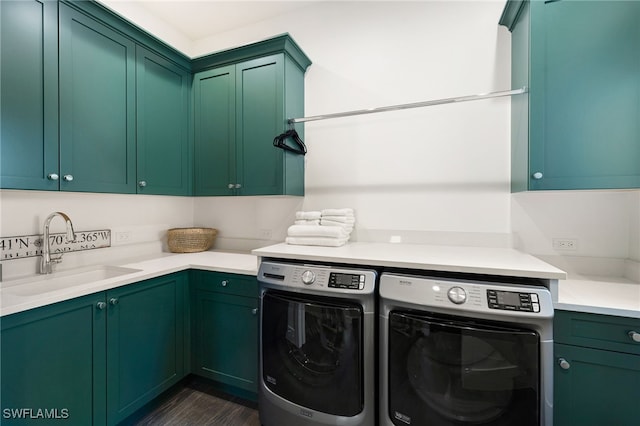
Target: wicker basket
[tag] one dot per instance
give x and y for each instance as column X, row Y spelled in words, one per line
column 190, row 240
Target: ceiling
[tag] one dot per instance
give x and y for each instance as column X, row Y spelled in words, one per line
column 199, row 19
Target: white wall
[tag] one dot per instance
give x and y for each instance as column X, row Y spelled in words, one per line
column 145, row 217
column 437, row 169
column 440, row 173
column 604, row 223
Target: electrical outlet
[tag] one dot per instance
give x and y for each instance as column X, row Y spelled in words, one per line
column 123, row 236
column 265, row 234
column 568, row 244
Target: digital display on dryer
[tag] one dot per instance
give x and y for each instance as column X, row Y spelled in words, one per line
column 351, row 281
column 513, row 301
column 508, row 298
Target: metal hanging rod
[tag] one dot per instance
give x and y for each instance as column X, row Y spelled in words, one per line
column 522, row 90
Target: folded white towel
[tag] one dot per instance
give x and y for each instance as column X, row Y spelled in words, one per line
column 307, row 222
column 346, row 226
column 342, row 219
column 316, row 241
column 311, row 215
column 337, row 212
column 317, row 231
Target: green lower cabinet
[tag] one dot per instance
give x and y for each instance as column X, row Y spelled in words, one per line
column 598, row 387
column 145, row 342
column 94, row 360
column 54, row 364
column 225, row 330
column 597, row 370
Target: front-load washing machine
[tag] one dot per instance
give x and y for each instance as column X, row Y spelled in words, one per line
column 317, row 345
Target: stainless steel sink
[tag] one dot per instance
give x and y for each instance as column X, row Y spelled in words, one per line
column 64, row 280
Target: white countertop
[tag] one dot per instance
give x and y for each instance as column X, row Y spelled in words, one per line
column 476, row 260
column 599, row 295
column 166, row 263
column 609, row 296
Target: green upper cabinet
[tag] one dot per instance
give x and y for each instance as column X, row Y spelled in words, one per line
column 242, row 101
column 215, row 130
column 578, row 127
column 91, row 103
column 29, row 94
column 97, row 106
column 163, row 155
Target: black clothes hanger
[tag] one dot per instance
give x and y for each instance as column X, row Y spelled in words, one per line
column 300, row 147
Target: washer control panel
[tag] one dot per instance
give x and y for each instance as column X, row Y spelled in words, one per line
column 318, row 277
column 513, row 301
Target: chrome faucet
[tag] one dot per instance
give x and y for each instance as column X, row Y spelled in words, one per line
column 48, row 260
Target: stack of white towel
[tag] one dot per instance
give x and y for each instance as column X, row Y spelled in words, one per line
column 329, row 227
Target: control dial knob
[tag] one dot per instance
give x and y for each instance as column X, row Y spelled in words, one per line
column 457, row 295
column 308, row 277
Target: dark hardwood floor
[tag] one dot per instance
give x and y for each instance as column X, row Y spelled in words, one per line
column 196, row 402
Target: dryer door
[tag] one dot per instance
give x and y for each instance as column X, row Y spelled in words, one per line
column 452, row 371
column 312, row 352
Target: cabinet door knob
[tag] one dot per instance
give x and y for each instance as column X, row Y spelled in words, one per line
column 67, row 178
column 537, row 175
column 224, row 283
column 635, row 336
column 113, row 301
column 53, row 176
column 142, row 183
column 563, row 363
column 254, row 311
column 238, row 186
column 231, row 186
column 101, row 305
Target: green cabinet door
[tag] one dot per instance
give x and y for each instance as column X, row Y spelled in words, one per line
column 97, row 106
column 29, row 95
column 265, row 169
column 215, row 137
column 580, row 127
column 163, row 154
column 225, row 330
column 53, row 364
column 596, row 387
column 239, row 109
column 145, row 342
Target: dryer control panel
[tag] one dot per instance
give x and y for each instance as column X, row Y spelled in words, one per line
column 513, row 301
column 499, row 299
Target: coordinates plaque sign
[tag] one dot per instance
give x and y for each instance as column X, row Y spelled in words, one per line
column 31, row 245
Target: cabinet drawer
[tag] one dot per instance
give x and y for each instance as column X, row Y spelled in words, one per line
column 239, row 285
column 596, row 331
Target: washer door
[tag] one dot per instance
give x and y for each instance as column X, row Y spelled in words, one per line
column 312, row 352
column 445, row 371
